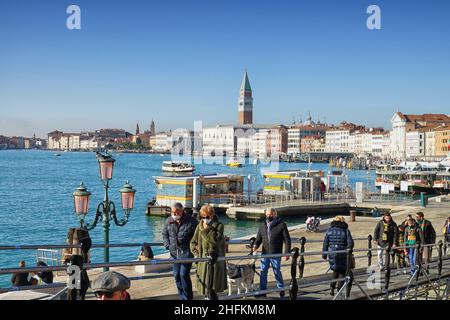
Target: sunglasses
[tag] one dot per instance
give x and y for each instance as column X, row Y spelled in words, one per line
column 106, row 294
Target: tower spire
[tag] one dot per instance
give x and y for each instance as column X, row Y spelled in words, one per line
column 245, row 106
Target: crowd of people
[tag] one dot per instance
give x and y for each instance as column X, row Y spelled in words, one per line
column 187, row 237
column 410, row 234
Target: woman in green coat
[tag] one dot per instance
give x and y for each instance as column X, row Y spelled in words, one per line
column 209, row 241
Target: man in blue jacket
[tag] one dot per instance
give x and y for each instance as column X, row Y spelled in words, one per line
column 177, row 235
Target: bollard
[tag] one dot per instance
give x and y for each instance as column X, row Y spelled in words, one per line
column 369, row 252
column 423, row 199
column 352, row 215
column 301, row 265
column 293, row 285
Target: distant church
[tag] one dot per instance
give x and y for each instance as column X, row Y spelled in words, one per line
column 245, row 107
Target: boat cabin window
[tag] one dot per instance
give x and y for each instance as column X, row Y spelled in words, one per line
column 215, row 188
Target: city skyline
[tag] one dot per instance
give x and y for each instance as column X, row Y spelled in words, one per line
column 139, row 62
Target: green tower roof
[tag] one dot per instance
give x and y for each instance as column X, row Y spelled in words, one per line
column 246, row 83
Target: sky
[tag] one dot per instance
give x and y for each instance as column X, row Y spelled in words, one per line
column 181, row 61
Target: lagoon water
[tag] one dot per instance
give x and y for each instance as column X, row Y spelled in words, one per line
column 36, row 204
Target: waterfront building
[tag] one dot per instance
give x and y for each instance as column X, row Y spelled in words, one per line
column 244, row 140
column 182, row 141
column 297, row 132
column 312, row 144
column 153, row 141
column 219, row 140
column 442, row 141
column 430, row 143
column 403, row 123
column 163, row 142
column 277, row 142
column 54, row 140
column 259, row 143
column 415, row 144
column 245, row 102
column 88, row 142
column 338, row 139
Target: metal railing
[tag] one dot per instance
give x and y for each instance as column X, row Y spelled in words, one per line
column 298, row 261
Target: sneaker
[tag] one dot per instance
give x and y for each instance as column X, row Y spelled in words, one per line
column 332, row 292
column 281, row 294
column 405, row 271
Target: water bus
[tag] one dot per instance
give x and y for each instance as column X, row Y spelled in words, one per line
column 442, row 182
column 177, row 167
column 420, row 181
column 219, row 190
column 292, row 182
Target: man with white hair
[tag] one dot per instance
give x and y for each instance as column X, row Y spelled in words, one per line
column 177, row 235
column 272, row 234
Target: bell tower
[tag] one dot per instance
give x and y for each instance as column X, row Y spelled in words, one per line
column 245, row 103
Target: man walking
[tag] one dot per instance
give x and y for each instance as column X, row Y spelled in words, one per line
column 429, row 237
column 272, row 234
column 177, row 235
column 385, row 236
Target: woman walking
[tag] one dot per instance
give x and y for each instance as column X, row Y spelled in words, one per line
column 209, row 241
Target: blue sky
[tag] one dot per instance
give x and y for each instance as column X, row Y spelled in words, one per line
column 180, row 61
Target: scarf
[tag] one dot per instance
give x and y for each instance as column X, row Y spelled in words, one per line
column 385, row 231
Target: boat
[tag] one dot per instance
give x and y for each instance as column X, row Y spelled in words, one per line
column 442, row 182
column 57, row 155
column 394, row 177
column 219, row 190
column 177, row 167
column 420, row 181
column 299, row 182
column 234, row 164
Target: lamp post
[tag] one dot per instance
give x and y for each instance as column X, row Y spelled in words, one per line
column 106, row 210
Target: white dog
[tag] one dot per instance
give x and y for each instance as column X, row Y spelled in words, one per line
column 240, row 275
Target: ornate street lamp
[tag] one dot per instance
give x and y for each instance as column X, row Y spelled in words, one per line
column 106, row 210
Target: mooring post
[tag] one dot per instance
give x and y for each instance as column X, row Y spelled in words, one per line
column 294, row 285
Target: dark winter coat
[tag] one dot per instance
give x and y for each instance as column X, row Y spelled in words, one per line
column 392, row 233
column 20, row 279
column 429, row 234
column 177, row 236
column 279, row 234
column 337, row 238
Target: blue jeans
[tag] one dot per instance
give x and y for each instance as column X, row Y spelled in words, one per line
column 276, row 267
column 412, row 254
column 181, row 272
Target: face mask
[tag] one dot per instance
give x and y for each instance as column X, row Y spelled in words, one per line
column 207, row 220
column 176, row 218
